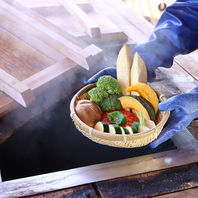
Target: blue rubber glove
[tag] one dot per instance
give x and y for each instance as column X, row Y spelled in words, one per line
column 175, row 33
column 107, row 71
column 184, row 109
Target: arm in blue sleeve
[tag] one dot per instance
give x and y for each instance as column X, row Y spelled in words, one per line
column 175, row 33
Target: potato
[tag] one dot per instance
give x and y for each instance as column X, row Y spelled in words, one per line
column 138, row 71
column 123, row 68
column 89, row 112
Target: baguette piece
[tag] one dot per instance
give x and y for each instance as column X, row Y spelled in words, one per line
column 123, row 68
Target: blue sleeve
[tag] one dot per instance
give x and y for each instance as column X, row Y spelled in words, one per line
column 175, row 33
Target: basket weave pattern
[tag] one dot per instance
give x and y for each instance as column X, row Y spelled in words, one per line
column 115, row 140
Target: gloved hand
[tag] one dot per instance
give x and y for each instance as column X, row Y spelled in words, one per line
column 107, row 71
column 184, row 109
column 175, row 33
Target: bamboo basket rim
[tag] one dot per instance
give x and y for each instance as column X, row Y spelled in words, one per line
column 98, row 136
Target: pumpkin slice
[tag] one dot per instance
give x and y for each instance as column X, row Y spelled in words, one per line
column 123, row 68
column 138, row 70
column 129, row 102
column 146, row 92
column 148, row 106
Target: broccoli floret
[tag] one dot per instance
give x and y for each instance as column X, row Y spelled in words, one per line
column 109, row 83
column 97, row 95
column 111, row 103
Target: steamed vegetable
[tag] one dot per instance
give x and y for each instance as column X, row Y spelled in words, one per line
column 144, row 125
column 97, row 95
column 111, row 128
column 139, row 104
column 106, row 93
column 111, row 103
column 102, row 126
column 88, row 112
column 146, row 92
column 134, row 128
column 123, row 68
column 109, row 84
column 131, row 117
column 117, row 117
column 138, row 70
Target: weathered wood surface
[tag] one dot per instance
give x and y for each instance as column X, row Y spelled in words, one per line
column 25, row 53
column 15, row 89
column 22, row 23
column 92, row 29
column 109, row 30
column 190, row 193
column 84, row 190
column 150, row 184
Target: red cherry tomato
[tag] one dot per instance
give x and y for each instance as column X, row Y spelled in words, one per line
column 131, row 117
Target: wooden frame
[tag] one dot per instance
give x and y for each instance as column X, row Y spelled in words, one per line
column 54, row 43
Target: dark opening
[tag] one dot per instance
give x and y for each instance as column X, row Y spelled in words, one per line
column 50, row 142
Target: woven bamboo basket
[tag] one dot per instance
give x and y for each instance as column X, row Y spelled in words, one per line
column 117, row 140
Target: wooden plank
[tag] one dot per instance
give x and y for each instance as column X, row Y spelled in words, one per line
column 39, row 82
column 52, row 39
column 38, row 3
column 152, row 184
column 79, row 191
column 189, row 63
column 37, row 17
column 95, row 51
column 84, row 5
column 19, row 59
column 109, row 31
column 18, row 30
column 118, row 19
column 106, row 173
column 15, row 89
column 89, row 25
column 181, row 79
column 190, row 193
column 110, row 35
column 49, row 76
column 139, row 22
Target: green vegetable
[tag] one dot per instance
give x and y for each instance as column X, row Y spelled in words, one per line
column 111, row 103
column 129, row 128
column 147, row 105
column 115, row 129
column 106, row 93
column 142, row 127
column 102, row 126
column 109, row 84
column 117, row 117
column 134, row 128
column 141, row 118
column 105, row 87
column 97, row 95
column 126, row 131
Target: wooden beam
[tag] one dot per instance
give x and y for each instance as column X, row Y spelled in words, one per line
column 15, row 89
column 37, row 30
column 88, row 24
column 50, row 76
